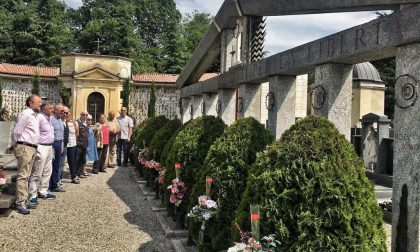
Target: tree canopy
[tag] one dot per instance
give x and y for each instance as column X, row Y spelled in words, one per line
column 151, row 32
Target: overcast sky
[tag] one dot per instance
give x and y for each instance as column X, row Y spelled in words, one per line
column 282, row 32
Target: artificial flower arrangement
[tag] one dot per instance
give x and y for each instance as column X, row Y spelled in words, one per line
column 250, row 241
column 206, row 207
column 152, row 164
column 142, row 156
column 161, row 178
column 3, row 185
column 177, row 190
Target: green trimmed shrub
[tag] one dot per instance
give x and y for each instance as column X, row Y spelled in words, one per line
column 161, row 138
column 313, row 192
column 227, row 162
column 189, row 149
column 149, row 129
column 133, row 155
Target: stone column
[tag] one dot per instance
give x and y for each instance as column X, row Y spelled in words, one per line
column 186, row 109
column 332, row 93
column 209, row 103
column 249, row 101
column 383, row 132
column 406, row 177
column 281, row 104
column 197, row 104
column 226, row 105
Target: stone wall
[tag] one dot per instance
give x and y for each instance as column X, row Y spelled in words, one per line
column 167, row 101
column 15, row 92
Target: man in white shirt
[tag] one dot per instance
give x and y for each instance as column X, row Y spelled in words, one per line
column 126, row 126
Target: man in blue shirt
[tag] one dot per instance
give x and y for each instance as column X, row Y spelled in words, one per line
column 57, row 146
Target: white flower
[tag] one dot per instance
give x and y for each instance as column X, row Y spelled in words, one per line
column 207, row 215
column 237, row 248
column 211, row 204
column 2, row 181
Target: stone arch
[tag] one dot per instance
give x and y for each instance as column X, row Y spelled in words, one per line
column 96, row 105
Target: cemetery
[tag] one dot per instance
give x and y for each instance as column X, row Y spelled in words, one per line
column 260, row 157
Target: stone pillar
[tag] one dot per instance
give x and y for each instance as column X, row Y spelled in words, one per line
column 186, row 110
column 197, row 105
column 383, row 132
column 229, row 54
column 249, row 101
column 281, row 104
column 406, row 184
column 226, row 105
column 332, row 94
column 209, row 103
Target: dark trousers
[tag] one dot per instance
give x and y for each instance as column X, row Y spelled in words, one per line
column 71, row 160
column 80, row 160
column 55, row 176
column 62, row 161
column 102, row 155
column 122, row 146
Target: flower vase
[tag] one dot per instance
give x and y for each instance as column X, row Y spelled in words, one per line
column 178, row 218
column 157, row 189
column 204, row 240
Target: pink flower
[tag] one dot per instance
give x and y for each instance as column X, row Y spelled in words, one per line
column 178, row 166
column 255, row 217
column 172, row 199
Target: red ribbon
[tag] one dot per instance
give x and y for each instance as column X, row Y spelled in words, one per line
column 255, row 217
column 178, row 166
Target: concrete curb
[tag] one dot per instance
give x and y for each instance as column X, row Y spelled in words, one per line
column 178, row 246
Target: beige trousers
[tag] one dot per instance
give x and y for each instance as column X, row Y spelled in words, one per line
column 112, row 147
column 26, row 157
column 41, row 172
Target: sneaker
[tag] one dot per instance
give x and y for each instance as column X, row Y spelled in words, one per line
column 33, row 201
column 82, row 176
column 48, row 196
column 30, row 205
column 75, row 181
column 58, row 189
column 22, row 209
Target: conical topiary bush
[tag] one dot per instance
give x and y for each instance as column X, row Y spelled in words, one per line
column 189, row 149
column 161, row 138
column 227, row 162
column 313, row 192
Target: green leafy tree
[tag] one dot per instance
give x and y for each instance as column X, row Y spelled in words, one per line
column 35, row 84
column 386, row 69
column 64, row 93
column 126, row 93
column 151, row 108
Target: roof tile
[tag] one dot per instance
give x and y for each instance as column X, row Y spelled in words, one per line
column 29, row 70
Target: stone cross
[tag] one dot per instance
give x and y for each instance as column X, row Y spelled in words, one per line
column 97, row 48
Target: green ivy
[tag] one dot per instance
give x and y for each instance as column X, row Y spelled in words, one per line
column 36, row 82
column 151, row 108
column 189, row 149
column 227, row 162
column 126, row 93
column 161, row 138
column 64, row 93
column 313, row 192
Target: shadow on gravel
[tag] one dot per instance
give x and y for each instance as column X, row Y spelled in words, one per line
column 125, row 186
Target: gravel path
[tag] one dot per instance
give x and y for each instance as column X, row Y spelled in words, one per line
column 105, row 212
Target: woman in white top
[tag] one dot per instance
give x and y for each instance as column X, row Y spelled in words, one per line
column 71, row 147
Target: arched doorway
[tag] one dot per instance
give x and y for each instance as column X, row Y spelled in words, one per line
column 96, row 105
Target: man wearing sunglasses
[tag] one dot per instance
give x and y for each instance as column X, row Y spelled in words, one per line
column 58, row 147
column 82, row 142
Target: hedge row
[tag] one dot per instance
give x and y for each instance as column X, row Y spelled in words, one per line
column 310, row 184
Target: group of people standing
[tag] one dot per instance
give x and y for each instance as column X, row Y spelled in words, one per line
column 45, row 136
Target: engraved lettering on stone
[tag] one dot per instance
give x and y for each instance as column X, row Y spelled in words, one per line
column 360, row 33
column 398, row 24
column 331, row 47
column 378, row 26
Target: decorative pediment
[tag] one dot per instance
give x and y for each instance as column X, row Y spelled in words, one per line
column 97, row 73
